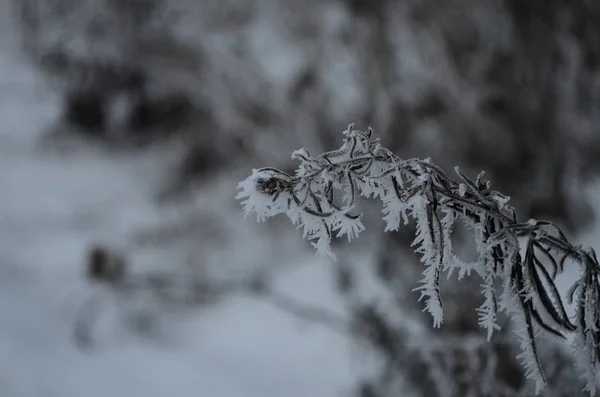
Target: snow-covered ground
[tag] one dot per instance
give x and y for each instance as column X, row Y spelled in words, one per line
column 54, row 203
column 245, row 348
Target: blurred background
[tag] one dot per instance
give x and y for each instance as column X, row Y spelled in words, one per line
column 126, row 268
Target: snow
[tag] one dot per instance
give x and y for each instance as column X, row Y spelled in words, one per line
column 55, row 202
column 245, row 348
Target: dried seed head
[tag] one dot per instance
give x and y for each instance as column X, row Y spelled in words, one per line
column 268, row 186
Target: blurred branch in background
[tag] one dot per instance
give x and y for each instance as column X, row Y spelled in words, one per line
column 176, row 292
column 505, row 86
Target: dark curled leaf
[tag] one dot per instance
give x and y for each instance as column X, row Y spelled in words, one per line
column 538, row 319
column 353, row 217
column 336, row 208
column 583, row 292
column 494, row 302
column 439, row 238
column 430, row 223
column 563, row 259
column 435, row 239
column 550, row 295
column 303, row 156
column 396, row 186
column 317, row 213
column 389, row 172
column 554, row 228
column 294, row 197
column 529, row 252
column 572, row 290
column 305, row 199
column 527, row 313
column 435, row 169
column 316, row 201
column 591, row 259
column 326, row 158
column 352, row 140
column 351, row 189
column 446, row 185
column 365, row 169
column 329, row 193
column 491, row 229
column 327, row 229
column 546, row 301
column 549, row 256
column 472, row 185
column 556, row 244
column 276, row 171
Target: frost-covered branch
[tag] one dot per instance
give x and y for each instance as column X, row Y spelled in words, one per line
column 517, row 262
